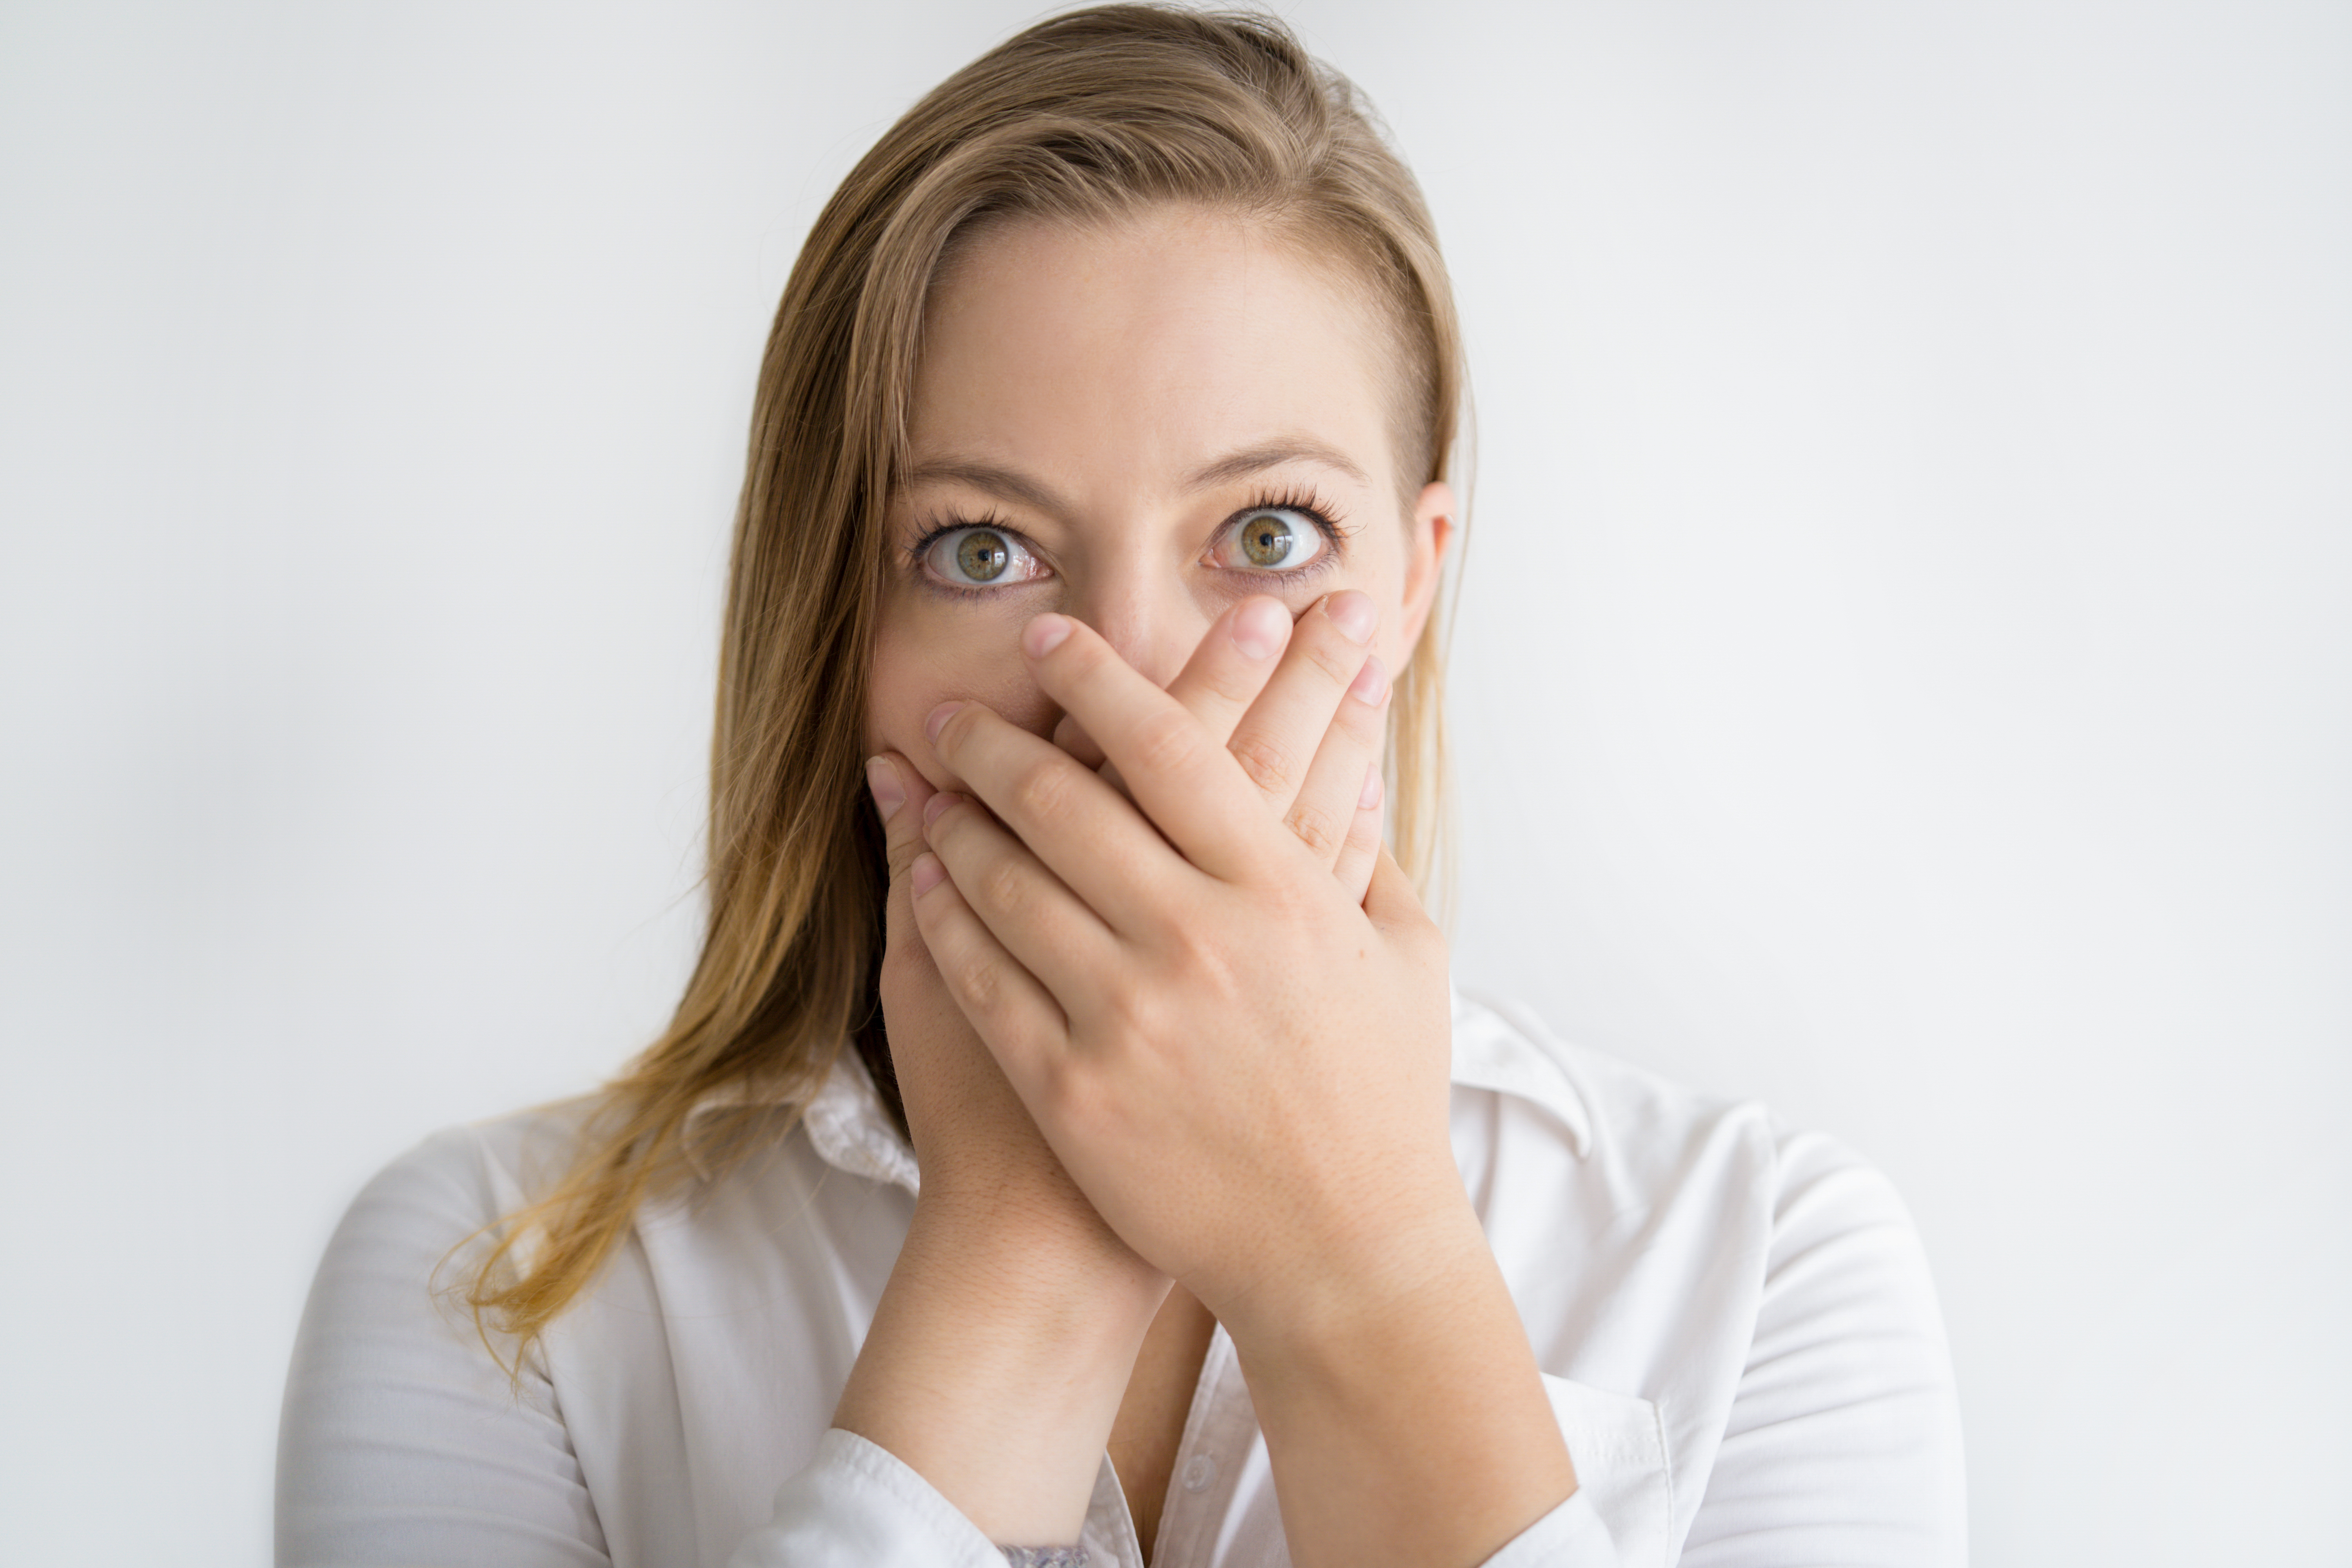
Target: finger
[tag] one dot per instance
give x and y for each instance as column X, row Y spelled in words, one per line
column 1187, row 784
column 899, row 795
column 1277, row 741
column 1083, row 830
column 1028, row 909
column 1329, row 801
column 1361, row 852
column 1015, row 1017
column 1217, row 684
column 1231, row 667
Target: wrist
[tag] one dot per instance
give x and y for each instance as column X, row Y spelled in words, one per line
column 997, row 1358
column 1040, row 1267
column 1380, row 1296
column 1403, row 1407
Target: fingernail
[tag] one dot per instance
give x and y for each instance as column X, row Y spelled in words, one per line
column 926, row 873
column 1371, row 797
column 1356, row 615
column 890, row 795
column 1260, row 629
column 939, row 716
column 937, row 803
column 1371, row 681
column 1044, row 634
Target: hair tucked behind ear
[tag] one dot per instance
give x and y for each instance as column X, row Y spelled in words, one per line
column 1087, row 117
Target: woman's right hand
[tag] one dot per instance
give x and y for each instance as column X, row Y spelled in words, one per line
column 1011, row 1293
column 1000, row 1348
column 977, row 1148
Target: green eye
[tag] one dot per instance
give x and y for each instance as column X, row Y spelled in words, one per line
column 1285, row 539
column 977, row 556
column 982, row 555
column 1267, row 539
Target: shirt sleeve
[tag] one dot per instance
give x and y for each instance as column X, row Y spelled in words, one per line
column 1570, row 1536
column 404, row 1445
column 1844, row 1438
column 858, row 1505
column 402, row 1441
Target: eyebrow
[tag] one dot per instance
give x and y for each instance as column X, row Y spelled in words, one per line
column 1010, row 484
column 1006, row 483
column 1251, row 460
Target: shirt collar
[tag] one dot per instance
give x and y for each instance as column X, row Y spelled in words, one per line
column 1502, row 1047
column 1497, row 1047
column 845, row 1120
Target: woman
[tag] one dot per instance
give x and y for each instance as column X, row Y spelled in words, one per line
column 1078, row 641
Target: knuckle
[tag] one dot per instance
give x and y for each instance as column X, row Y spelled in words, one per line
column 1235, row 684
column 1072, row 1093
column 1203, row 966
column 1003, row 889
column 1318, row 829
column 1338, row 659
column 1130, row 1000
column 1270, row 764
column 1042, row 791
column 1167, row 740
column 1130, row 1004
column 977, row 981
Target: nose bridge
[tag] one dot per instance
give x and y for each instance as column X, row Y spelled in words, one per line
column 1139, row 607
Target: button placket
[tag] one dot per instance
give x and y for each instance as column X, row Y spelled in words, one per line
column 1217, row 1436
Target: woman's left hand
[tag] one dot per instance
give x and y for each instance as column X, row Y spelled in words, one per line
column 1243, row 1068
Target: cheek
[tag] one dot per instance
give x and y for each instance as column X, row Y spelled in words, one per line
column 1383, row 579
column 926, row 655
column 1394, row 651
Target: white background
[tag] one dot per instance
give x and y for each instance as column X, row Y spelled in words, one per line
column 1903, row 671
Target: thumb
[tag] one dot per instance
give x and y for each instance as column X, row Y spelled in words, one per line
column 1395, row 911
column 900, row 794
column 1391, row 902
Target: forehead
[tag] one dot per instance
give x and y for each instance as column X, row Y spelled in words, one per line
column 1136, row 348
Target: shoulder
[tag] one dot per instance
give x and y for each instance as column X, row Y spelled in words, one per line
column 1640, row 1143
column 402, row 1432
column 465, row 1177
column 418, row 1228
column 1756, row 1289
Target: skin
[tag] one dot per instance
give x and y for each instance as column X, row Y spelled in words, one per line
column 1172, row 1029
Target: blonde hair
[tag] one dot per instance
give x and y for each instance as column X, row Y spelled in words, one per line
column 1085, row 117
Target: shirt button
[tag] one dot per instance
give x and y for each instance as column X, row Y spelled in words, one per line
column 1200, row 1473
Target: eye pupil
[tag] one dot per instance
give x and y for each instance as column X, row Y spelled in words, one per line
column 1266, row 539
column 983, row 556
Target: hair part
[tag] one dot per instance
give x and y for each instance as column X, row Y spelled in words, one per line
column 1084, row 118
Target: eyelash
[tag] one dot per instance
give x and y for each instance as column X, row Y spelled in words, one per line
column 1307, row 503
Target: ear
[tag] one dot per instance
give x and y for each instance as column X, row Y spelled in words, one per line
column 1435, row 517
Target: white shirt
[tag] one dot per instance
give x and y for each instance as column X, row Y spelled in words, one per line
column 1735, row 1323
